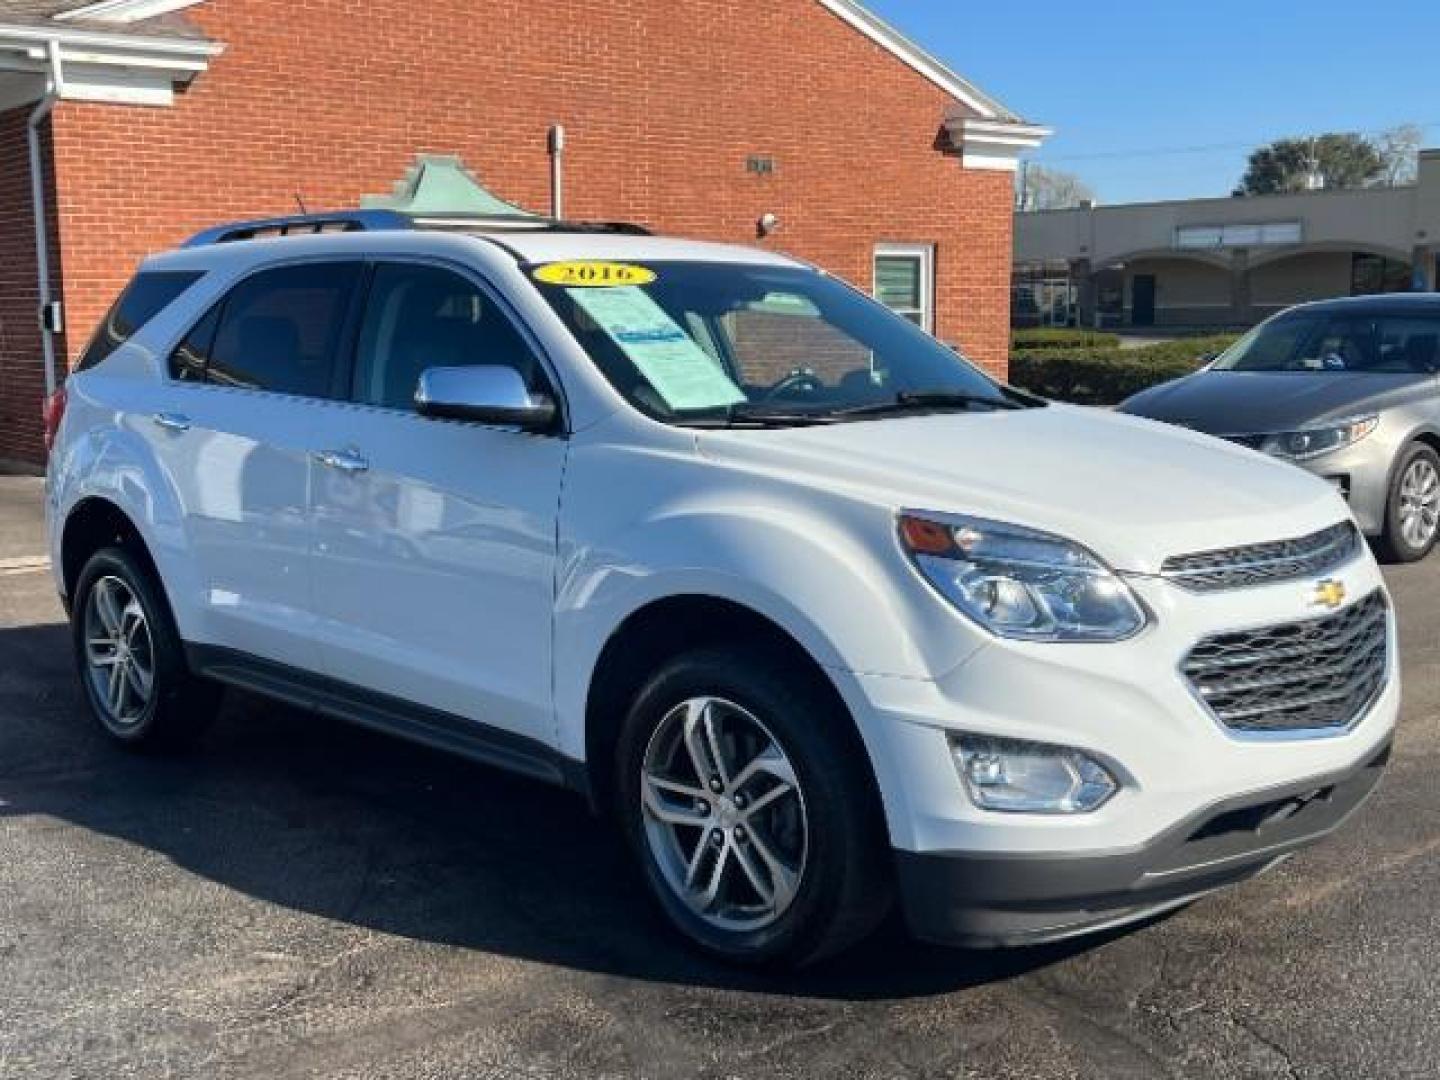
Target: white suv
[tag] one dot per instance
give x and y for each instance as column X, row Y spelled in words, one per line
column 818, row 611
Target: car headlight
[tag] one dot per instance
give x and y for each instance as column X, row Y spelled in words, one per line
column 1313, row 442
column 1020, row 583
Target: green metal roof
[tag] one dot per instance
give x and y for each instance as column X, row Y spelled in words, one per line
column 439, row 186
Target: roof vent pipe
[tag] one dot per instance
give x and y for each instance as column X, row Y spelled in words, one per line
column 48, row 320
column 557, row 173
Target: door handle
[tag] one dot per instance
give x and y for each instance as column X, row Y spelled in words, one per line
column 346, row 461
column 170, row 421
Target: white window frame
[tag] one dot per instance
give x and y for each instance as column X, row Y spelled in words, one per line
column 925, row 254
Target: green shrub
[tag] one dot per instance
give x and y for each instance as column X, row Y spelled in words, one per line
column 1101, row 376
column 1057, row 337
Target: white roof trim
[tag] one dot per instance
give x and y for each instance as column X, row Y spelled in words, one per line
column 900, row 46
column 125, row 11
column 100, row 65
column 993, row 144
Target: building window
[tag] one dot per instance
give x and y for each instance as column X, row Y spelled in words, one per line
column 1372, row 274
column 1267, row 234
column 905, row 282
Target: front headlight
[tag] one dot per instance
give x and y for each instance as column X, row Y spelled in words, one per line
column 1020, row 583
column 1313, row 442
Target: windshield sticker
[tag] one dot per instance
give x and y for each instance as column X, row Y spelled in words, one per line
column 593, row 275
column 681, row 372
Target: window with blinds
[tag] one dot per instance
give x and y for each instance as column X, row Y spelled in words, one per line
column 905, row 283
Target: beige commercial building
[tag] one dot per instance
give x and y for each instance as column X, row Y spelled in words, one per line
column 1224, row 262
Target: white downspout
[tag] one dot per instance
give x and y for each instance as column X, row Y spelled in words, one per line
column 53, row 93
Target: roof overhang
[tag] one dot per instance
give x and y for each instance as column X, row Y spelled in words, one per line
column 989, row 135
column 121, row 67
column 993, row 144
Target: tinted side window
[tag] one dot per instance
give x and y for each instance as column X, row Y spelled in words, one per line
column 420, row 317
column 1409, row 344
column 144, row 298
column 281, row 328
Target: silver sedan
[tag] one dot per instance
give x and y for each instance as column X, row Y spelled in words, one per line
column 1345, row 388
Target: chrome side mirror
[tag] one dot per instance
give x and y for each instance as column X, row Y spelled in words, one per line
column 485, row 394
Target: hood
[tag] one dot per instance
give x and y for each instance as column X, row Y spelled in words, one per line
column 1132, row 491
column 1262, row 402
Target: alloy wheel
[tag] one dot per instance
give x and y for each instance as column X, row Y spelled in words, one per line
column 724, row 814
column 1420, row 503
column 119, row 652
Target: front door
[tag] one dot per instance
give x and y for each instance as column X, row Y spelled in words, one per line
column 436, row 540
column 1142, row 300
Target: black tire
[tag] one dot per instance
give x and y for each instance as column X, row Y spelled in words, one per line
column 179, row 705
column 845, row 885
column 1394, row 545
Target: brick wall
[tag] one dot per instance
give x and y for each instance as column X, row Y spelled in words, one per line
column 663, row 101
column 22, row 370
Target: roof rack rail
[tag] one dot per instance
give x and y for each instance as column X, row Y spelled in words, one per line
column 302, row 225
column 344, row 221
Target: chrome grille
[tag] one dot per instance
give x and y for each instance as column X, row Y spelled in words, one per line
column 1261, row 564
column 1302, row 676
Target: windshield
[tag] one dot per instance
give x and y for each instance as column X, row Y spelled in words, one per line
column 1338, row 342
column 684, row 342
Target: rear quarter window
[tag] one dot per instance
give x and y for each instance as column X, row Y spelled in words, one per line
column 145, row 297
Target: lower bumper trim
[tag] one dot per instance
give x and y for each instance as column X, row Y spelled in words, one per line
column 989, row 900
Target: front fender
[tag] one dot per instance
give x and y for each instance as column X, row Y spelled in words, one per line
column 835, row 581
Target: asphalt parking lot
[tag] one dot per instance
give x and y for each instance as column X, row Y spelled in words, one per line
column 302, row 899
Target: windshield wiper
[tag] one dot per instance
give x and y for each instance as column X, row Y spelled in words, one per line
column 750, row 414
column 926, row 400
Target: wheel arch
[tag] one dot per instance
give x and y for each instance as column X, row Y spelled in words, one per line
column 93, row 523
column 667, row 627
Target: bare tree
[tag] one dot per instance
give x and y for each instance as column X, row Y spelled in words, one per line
column 1039, row 188
column 1399, row 149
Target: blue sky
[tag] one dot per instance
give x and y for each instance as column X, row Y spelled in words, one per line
column 1131, row 77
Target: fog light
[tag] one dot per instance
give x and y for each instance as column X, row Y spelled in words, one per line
column 1016, row 777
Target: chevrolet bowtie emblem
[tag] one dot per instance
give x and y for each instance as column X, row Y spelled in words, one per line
column 1329, row 593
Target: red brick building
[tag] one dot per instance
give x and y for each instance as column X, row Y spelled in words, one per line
column 152, row 118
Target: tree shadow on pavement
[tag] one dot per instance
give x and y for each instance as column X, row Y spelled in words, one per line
column 317, row 816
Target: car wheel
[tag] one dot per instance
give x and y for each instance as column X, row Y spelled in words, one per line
column 130, row 659
column 1412, row 513
column 746, row 796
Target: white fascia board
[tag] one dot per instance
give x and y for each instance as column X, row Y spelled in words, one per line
column 12, row 34
column 118, row 86
column 122, row 68
column 898, row 45
column 993, row 144
column 125, row 11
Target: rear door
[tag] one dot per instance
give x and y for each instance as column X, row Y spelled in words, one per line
column 436, row 540
column 251, row 382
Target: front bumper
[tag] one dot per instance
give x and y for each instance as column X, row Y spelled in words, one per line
column 1006, row 899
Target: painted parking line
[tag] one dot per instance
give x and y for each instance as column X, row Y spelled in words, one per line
column 24, row 564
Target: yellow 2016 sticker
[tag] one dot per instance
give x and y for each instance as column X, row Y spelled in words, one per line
column 593, row 275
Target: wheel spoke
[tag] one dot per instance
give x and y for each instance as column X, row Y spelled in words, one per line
column 115, row 695
column 697, row 859
column 698, row 742
column 707, row 898
column 784, row 877
column 108, row 608
column 762, row 801
column 769, row 762
column 745, row 856
column 139, row 680
column 101, row 652
column 663, row 800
